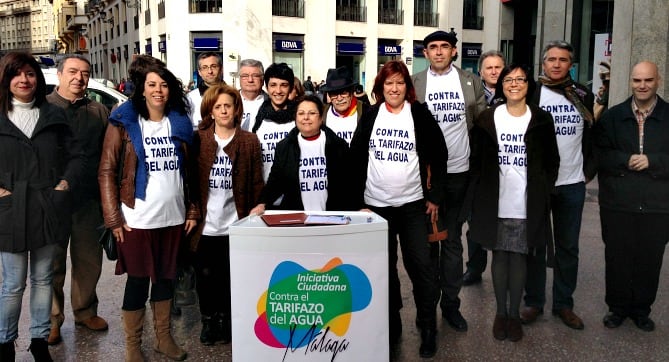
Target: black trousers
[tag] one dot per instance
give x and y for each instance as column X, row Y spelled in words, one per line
column 419, row 256
column 212, row 268
column 634, row 249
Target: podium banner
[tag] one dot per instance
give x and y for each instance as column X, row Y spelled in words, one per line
column 311, row 294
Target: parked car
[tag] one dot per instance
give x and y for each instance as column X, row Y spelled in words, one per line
column 97, row 91
column 106, row 82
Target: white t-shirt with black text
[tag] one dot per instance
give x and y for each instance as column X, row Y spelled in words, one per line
column 313, row 173
column 512, row 161
column 221, row 210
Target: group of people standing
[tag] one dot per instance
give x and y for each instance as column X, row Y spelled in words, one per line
column 170, row 168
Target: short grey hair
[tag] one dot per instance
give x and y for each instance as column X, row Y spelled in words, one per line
column 252, row 63
column 560, row 44
column 488, row 54
column 61, row 62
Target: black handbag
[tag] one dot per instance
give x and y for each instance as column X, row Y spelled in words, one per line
column 107, row 238
column 108, row 242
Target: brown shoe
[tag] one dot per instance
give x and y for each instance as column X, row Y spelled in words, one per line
column 499, row 328
column 530, row 314
column 94, row 323
column 514, row 330
column 569, row 318
column 54, row 335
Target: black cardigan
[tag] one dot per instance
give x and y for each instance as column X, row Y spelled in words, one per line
column 284, row 176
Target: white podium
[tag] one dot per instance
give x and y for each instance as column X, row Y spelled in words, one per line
column 310, row 293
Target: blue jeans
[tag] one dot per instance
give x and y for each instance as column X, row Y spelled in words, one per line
column 567, row 210
column 14, row 272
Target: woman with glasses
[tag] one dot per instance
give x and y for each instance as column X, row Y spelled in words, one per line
column 310, row 165
column 514, row 164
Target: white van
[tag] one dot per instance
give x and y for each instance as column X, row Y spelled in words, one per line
column 96, row 91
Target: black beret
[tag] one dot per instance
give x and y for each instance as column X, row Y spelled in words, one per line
column 441, row 35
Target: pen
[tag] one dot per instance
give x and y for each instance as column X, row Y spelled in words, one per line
column 294, row 220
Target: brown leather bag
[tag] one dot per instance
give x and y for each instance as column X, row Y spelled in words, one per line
column 436, row 231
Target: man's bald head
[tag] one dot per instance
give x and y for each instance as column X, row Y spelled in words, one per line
column 644, row 80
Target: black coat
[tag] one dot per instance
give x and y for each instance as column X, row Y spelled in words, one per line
column 543, row 162
column 35, row 214
column 284, row 177
column 616, row 139
column 430, row 146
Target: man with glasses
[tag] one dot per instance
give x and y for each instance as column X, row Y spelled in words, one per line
column 455, row 97
column 344, row 110
column 88, row 119
column 250, row 79
column 210, row 68
column 571, row 105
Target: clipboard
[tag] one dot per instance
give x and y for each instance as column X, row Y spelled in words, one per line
column 294, row 219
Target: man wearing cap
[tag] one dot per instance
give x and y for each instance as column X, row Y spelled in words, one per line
column 570, row 104
column 276, row 116
column 251, row 74
column 455, row 97
column 210, row 68
column 344, row 110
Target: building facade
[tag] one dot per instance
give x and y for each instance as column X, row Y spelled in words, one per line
column 311, row 36
column 27, row 25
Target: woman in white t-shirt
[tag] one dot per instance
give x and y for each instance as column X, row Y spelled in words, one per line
column 514, row 164
column 398, row 169
column 229, row 171
column 150, row 211
column 310, row 165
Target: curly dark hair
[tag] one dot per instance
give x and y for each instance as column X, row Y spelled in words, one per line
column 143, row 65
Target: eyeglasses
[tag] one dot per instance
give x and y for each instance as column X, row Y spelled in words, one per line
column 309, row 114
column 247, row 76
column 519, row 80
column 343, row 94
column 213, row 67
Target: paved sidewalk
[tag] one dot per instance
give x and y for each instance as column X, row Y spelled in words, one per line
column 546, row 340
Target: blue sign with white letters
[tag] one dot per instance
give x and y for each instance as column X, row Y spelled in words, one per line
column 288, row 45
column 390, row 50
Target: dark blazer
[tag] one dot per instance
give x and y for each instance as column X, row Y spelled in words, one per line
column 430, row 146
column 616, row 139
column 588, row 99
column 472, row 90
column 284, row 177
column 35, row 214
column 543, row 162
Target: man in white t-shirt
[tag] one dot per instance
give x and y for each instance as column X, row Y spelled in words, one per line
column 455, row 97
column 210, row 68
column 251, row 73
column 571, row 106
column 344, row 110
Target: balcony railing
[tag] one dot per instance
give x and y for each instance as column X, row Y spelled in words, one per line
column 352, row 13
column 294, row 8
column 426, row 19
column 391, row 16
column 472, row 22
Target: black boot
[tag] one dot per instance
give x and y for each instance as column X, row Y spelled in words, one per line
column 428, row 345
column 40, row 350
column 7, row 352
column 175, row 310
column 210, row 332
column 224, row 328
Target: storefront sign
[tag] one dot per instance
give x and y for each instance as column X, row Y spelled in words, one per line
column 284, row 45
column 351, row 48
column 390, row 50
column 418, row 51
column 204, row 44
column 471, row 51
